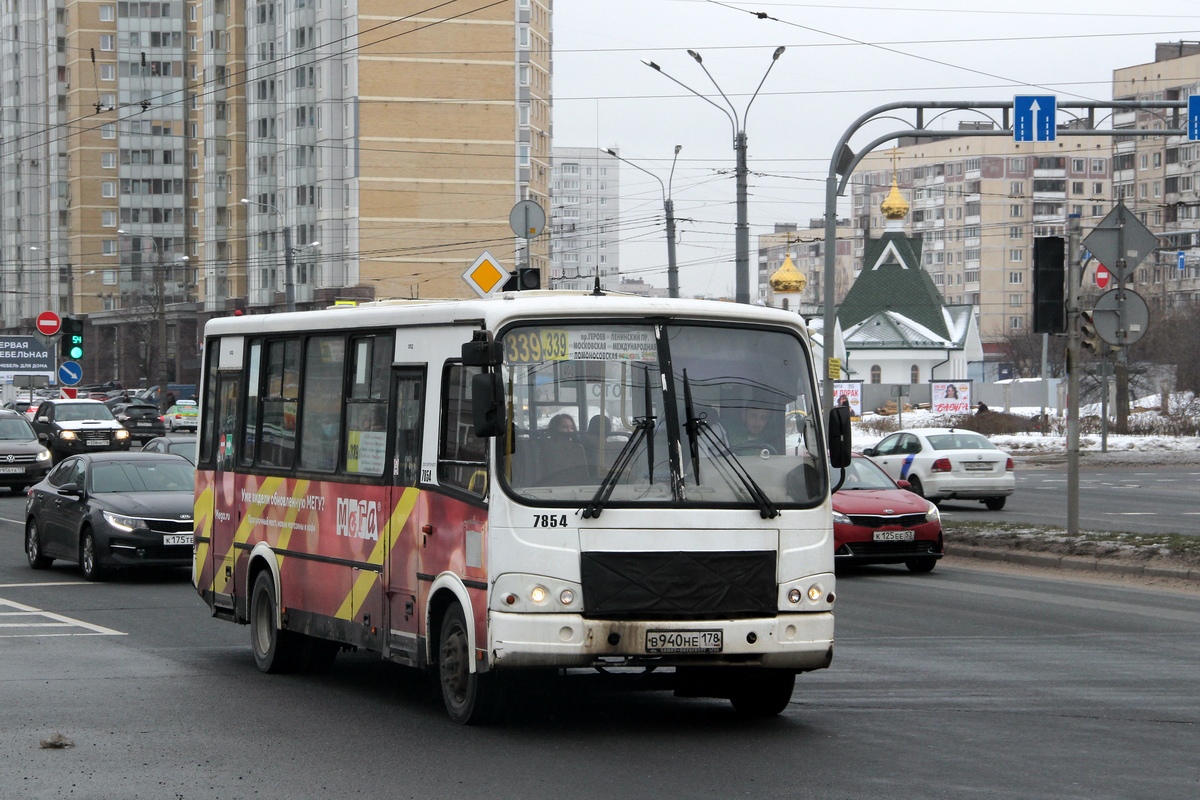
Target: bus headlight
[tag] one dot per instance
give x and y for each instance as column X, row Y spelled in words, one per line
column 515, row 592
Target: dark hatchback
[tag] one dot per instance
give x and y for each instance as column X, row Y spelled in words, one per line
column 142, row 420
column 23, row 459
column 106, row 510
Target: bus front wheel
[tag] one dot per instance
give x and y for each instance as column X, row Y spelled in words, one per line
column 275, row 650
column 763, row 693
column 470, row 697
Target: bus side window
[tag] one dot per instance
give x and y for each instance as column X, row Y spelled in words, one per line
column 367, row 405
column 461, row 454
column 410, row 394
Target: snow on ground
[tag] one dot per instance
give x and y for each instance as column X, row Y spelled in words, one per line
column 871, row 430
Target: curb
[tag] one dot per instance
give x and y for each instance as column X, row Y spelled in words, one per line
column 1073, row 563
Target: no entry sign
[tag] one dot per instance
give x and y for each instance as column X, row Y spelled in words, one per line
column 48, row 323
column 1102, row 276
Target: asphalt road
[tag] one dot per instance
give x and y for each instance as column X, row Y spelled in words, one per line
column 960, row 683
column 1137, row 499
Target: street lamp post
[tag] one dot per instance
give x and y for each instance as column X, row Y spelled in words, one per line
column 669, row 211
column 289, row 287
column 742, row 231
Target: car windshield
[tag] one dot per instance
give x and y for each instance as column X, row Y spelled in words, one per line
column 589, row 408
column 959, row 441
column 864, row 474
column 18, row 430
column 145, row 476
column 75, row 412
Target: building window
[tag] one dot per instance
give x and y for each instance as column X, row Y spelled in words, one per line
column 108, row 160
column 107, row 13
column 108, row 131
column 1016, row 211
column 106, row 42
column 108, row 219
column 1015, row 299
column 1014, row 165
column 1016, row 277
column 108, row 101
column 1016, row 188
column 1016, row 232
column 1015, row 323
column 915, row 374
column 1076, row 187
column 108, row 188
column 876, row 374
column 1098, row 166
column 108, row 247
column 109, row 277
column 108, row 72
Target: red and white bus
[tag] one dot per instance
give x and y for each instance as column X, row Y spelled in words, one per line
column 537, row 480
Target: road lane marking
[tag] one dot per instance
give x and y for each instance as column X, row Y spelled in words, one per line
column 1136, row 513
column 36, row 617
column 46, row 583
column 13, row 521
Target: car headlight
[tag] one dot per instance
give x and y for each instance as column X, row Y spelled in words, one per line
column 122, row 522
column 43, row 455
column 841, row 519
column 122, row 434
column 933, row 515
column 68, row 435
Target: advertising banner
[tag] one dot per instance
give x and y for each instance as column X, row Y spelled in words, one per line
column 951, row 397
column 849, row 393
column 24, row 355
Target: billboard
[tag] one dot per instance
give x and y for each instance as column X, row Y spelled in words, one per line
column 849, row 393
column 951, row 397
column 23, row 355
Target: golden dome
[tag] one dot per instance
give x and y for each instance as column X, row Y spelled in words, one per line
column 787, row 278
column 894, row 206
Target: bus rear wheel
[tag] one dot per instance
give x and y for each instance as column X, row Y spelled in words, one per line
column 470, row 697
column 275, row 650
column 763, row 693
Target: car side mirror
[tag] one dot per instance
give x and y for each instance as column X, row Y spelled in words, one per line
column 839, row 437
column 71, row 489
column 903, row 484
column 870, row 451
column 44, row 420
column 487, row 404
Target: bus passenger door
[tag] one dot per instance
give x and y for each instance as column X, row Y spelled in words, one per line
column 226, row 509
column 407, row 516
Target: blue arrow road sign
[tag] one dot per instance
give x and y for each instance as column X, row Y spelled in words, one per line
column 1182, row 262
column 1193, row 117
column 1033, row 117
column 70, row 373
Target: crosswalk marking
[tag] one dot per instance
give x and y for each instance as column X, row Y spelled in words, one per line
column 26, row 621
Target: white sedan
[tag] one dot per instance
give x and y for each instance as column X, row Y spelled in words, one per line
column 947, row 464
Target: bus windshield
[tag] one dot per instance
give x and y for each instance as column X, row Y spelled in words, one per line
column 588, row 406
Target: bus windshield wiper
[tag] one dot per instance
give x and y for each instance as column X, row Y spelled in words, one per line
column 697, row 426
column 644, row 430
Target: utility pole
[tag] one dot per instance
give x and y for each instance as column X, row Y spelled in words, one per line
column 1074, row 292
column 668, row 211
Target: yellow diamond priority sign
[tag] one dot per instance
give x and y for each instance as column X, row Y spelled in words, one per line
column 486, row 276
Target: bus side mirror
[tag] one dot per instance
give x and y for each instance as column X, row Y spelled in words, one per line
column 487, row 403
column 482, row 351
column 839, row 437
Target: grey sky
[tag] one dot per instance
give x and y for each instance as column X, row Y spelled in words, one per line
column 841, row 60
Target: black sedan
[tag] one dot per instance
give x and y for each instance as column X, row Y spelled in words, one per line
column 106, row 510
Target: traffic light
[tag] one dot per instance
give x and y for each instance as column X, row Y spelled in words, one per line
column 70, row 346
column 1049, row 285
column 525, row 278
column 1089, row 339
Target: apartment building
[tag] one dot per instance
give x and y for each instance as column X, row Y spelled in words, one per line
column 94, row 143
column 383, row 141
column 1159, row 176
column 978, row 203
column 584, row 220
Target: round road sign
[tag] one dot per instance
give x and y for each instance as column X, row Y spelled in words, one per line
column 1121, row 317
column 48, row 323
column 527, row 219
column 1102, row 277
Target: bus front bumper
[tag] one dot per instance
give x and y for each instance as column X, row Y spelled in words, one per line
column 787, row 641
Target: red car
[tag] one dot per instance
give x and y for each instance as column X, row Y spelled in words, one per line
column 879, row 521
